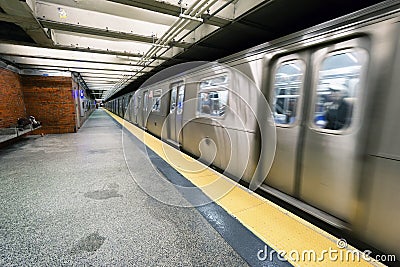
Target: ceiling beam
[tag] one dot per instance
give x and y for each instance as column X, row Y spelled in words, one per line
column 99, row 90
column 77, row 69
column 68, row 27
column 100, row 79
column 45, row 53
column 155, row 6
column 81, row 49
column 99, row 83
column 22, row 13
column 169, row 9
column 10, row 56
column 14, row 19
column 83, row 72
column 112, row 8
column 71, row 64
column 101, row 75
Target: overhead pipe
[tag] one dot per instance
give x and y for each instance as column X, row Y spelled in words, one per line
column 200, row 10
column 179, row 24
column 212, row 15
column 176, row 24
column 145, row 57
column 203, row 9
column 171, row 33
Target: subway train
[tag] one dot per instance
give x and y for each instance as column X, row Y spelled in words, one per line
column 333, row 92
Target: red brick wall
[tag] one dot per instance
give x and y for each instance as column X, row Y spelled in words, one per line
column 11, row 99
column 50, row 101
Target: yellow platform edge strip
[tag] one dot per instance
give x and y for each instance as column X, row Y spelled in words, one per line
column 304, row 243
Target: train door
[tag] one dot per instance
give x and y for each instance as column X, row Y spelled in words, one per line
column 286, row 103
column 77, row 117
column 332, row 149
column 174, row 123
column 123, row 107
column 138, row 101
column 119, row 107
column 116, row 106
column 129, row 108
column 145, row 108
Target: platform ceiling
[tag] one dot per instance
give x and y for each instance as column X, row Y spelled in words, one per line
column 113, row 46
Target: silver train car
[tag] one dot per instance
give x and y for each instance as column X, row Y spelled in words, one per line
column 333, row 90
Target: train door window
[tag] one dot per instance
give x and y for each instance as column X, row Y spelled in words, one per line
column 157, row 100
column 212, row 98
column 139, row 103
column 337, row 89
column 181, row 96
column 135, row 104
column 129, row 104
column 145, row 100
column 288, row 84
column 173, row 99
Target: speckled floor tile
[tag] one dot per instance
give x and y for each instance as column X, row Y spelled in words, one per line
column 69, row 200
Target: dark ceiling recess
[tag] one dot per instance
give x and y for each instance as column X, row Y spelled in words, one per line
column 11, row 32
column 265, row 23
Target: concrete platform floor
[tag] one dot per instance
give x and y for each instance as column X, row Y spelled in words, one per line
column 69, row 200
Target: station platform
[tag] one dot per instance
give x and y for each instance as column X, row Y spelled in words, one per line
column 102, row 197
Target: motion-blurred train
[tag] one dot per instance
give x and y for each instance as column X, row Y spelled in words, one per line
column 347, row 174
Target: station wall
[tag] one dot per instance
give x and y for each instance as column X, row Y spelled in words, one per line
column 51, row 100
column 12, row 104
column 83, row 105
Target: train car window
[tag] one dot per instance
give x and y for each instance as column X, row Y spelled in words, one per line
column 214, row 81
column 213, row 97
column 336, row 94
column 173, row 100
column 287, row 87
column 157, row 100
column 181, row 95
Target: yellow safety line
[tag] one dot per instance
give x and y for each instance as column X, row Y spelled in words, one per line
column 304, row 243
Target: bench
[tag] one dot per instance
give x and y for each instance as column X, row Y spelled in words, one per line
column 7, row 134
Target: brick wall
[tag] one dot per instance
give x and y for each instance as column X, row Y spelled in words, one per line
column 50, row 101
column 12, row 104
